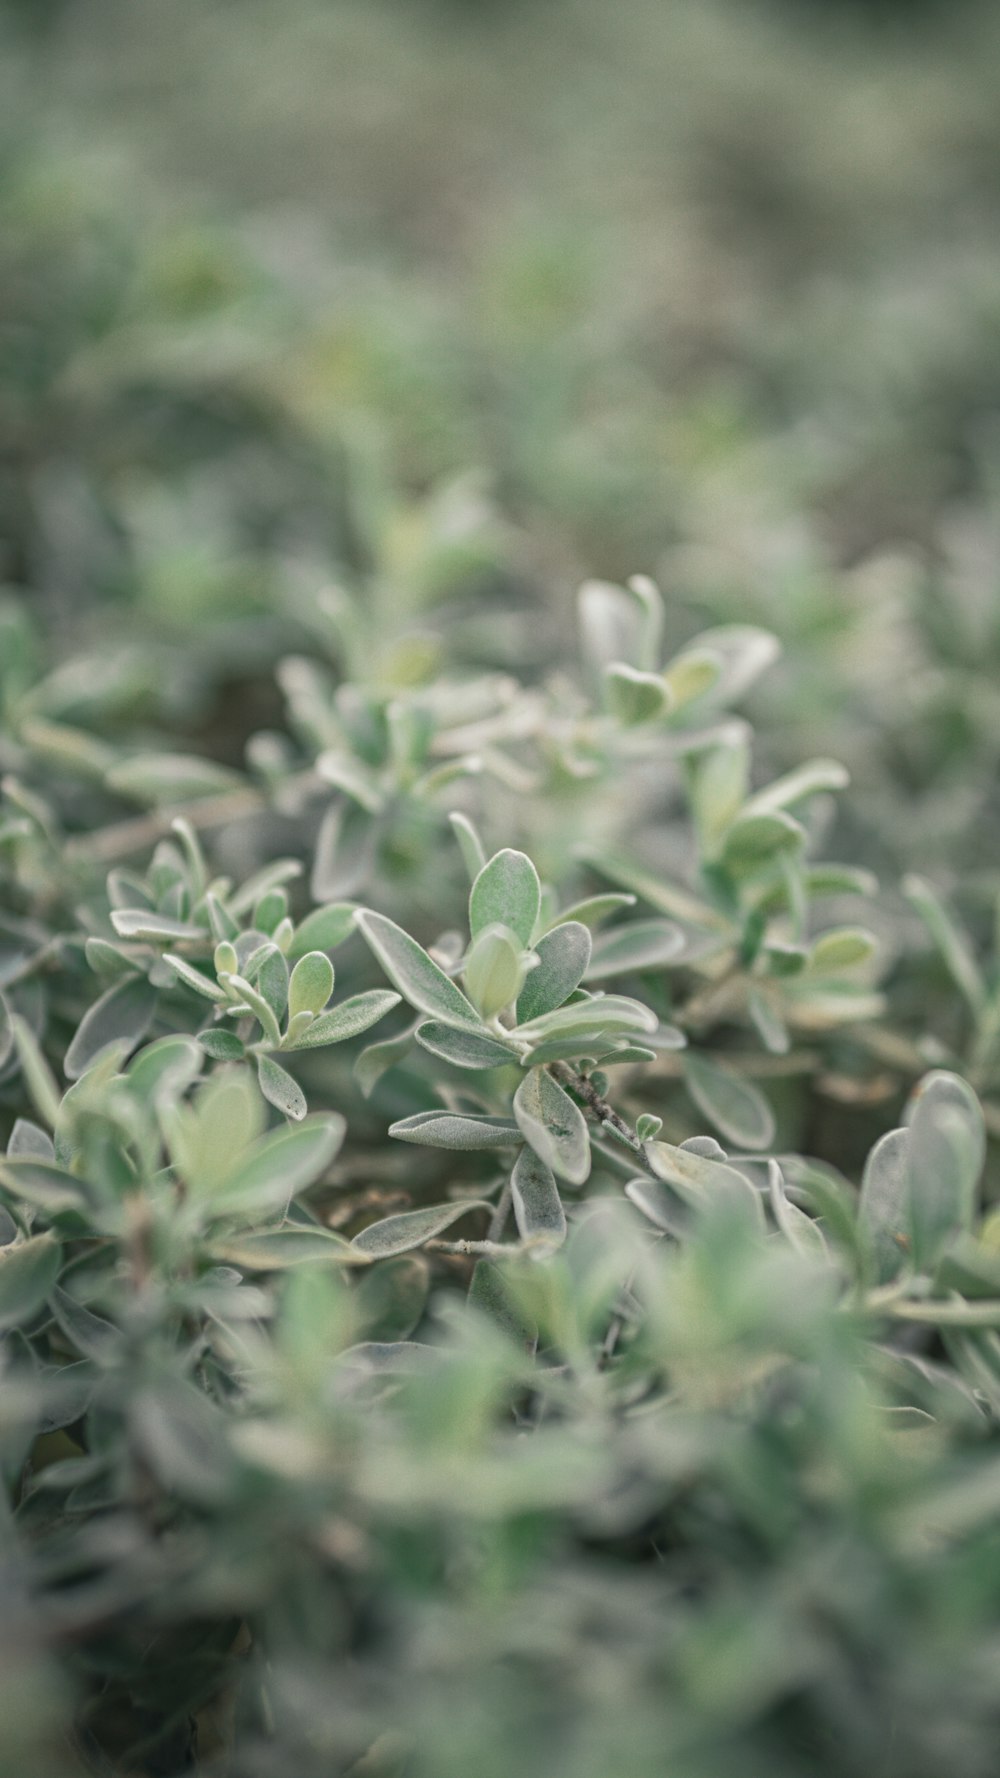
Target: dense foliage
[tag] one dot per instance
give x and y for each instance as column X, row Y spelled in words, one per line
column 498, row 1075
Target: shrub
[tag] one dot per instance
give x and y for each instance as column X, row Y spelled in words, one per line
column 443, row 1323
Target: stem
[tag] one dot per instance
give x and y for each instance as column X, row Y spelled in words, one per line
column 602, row 1113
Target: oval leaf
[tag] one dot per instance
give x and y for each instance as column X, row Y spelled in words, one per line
column 416, row 975
column 348, row 1019
column 538, row 1208
column 506, row 892
column 400, row 1234
column 280, row 1090
column 735, row 1107
column 464, row 1049
column 456, row 1129
column 121, row 1016
column 278, row 1167
column 553, row 1125
column 563, row 955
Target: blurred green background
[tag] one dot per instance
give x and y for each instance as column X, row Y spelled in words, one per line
column 473, row 299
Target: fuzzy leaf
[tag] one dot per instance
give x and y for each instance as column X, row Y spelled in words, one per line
column 121, row 1016
column 324, row 929
column 464, row 1049
column 193, row 978
column 277, row 1167
column 280, row 1090
column 416, row 975
column 28, row 1271
column 702, row 1180
column 553, row 1125
column 507, row 893
column 945, row 1156
column 563, row 954
column 735, row 1107
column 274, row 1250
column 538, row 1209
column 495, row 969
column 884, row 1207
column 643, row 944
column 401, row 1234
column 456, row 1129
column 311, row 984
column 347, row 1020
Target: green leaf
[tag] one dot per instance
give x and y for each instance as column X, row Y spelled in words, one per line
column 272, row 981
column 506, row 892
column 28, row 1272
column 278, row 1167
column 29, row 1142
column 633, row 697
column 769, row 1024
column 280, row 1090
column 42, row 1184
column 389, row 1299
column 324, row 929
column 595, row 908
column 553, row 1125
column 642, row 944
column 563, row 954
column 945, row 1157
column 738, row 1111
column 260, row 1008
column 609, row 1013
column 401, row 1234
column 166, row 1067
column 470, row 845
column 884, row 1206
column 495, row 968
column 209, row 1137
column 6, row 1032
column 844, row 947
column 170, row 778
column 377, row 1058
column 159, row 928
column 456, row 1129
column 193, row 978
column 702, row 1180
column 806, row 780
column 757, row 840
column 122, row 1016
column 952, row 943
column 416, row 975
column 537, row 1206
column 222, row 1046
column 311, row 984
column 347, row 1020
column 38, row 1076
column 799, row 1230
column 464, row 1049
column 275, row 1250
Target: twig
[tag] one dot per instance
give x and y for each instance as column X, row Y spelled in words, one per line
column 602, row 1112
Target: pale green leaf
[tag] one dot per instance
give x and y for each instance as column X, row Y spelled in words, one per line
column 347, row 1020
column 537, row 1206
column 738, row 1111
column 401, row 1234
column 563, row 954
column 280, row 1090
column 416, row 975
column 553, row 1125
column 506, row 892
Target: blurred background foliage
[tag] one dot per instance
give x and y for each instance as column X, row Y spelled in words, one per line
column 706, row 290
